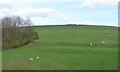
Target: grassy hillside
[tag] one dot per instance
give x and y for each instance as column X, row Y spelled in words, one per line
column 67, row 47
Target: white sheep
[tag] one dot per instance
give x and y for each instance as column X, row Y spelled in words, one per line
column 90, row 44
column 37, row 57
column 31, row 59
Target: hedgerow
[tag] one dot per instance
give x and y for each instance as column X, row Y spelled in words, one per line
column 17, row 31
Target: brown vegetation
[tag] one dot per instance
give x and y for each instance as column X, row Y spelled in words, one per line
column 16, row 31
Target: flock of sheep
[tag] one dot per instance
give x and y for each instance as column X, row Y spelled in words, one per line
column 91, row 44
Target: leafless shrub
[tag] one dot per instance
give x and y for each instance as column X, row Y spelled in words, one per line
column 16, row 31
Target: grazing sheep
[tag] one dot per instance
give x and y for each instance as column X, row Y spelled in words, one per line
column 104, row 42
column 37, row 57
column 90, row 44
column 31, row 59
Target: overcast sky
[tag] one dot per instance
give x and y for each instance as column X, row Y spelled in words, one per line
column 47, row 12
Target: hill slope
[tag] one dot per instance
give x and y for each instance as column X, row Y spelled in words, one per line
column 67, row 47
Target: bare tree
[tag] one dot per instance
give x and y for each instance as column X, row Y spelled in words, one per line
column 16, row 31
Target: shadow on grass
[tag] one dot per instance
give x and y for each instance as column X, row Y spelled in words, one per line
column 77, row 44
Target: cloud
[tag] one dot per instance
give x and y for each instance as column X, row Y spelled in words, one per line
column 65, row 18
column 34, row 1
column 98, row 3
column 18, row 2
column 44, row 13
column 35, row 12
column 13, row 7
column 20, row 7
column 5, row 6
column 47, row 13
column 83, row 3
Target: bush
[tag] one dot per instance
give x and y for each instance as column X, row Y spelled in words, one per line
column 16, row 31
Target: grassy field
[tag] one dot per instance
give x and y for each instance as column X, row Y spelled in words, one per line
column 67, row 48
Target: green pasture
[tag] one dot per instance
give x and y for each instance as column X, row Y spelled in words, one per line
column 67, row 48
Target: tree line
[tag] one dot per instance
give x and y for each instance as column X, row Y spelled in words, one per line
column 16, row 31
